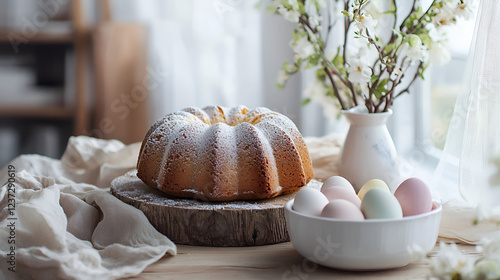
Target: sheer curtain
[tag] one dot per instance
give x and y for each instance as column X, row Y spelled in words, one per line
column 201, row 52
column 474, row 134
column 218, row 52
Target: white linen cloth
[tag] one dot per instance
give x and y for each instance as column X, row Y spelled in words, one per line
column 68, row 225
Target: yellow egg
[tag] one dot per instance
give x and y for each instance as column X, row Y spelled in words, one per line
column 374, row 183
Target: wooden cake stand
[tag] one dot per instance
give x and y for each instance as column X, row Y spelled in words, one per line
column 194, row 222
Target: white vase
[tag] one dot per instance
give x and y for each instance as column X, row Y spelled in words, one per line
column 369, row 151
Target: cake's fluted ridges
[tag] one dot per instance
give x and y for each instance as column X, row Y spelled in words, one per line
column 222, row 154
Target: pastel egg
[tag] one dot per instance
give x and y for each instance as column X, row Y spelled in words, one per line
column 414, row 197
column 342, row 209
column 379, row 203
column 309, row 201
column 374, row 183
column 336, row 181
column 337, row 192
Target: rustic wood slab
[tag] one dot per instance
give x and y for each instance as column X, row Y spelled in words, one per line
column 219, row 224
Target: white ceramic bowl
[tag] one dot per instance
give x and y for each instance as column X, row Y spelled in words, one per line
column 361, row 245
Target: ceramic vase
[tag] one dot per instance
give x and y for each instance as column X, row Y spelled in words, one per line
column 369, row 151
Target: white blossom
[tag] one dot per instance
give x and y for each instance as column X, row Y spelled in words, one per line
column 436, row 34
column 358, row 72
column 361, row 50
column 413, row 48
column 291, row 68
column 439, row 54
column 375, row 8
column 487, row 269
column 289, row 15
column 364, row 21
column 465, row 9
column 450, row 262
column 314, row 20
column 282, row 77
column 417, row 253
column 490, row 247
column 302, row 48
column 395, row 73
column 314, row 17
column 294, row 4
column 445, row 16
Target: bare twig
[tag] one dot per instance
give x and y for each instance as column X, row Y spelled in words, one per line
column 335, row 89
column 421, row 18
column 407, row 89
column 409, row 14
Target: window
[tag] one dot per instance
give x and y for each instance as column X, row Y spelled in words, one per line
column 420, row 122
column 445, row 81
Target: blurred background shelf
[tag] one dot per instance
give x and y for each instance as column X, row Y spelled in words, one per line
column 44, row 72
column 45, row 112
column 9, row 36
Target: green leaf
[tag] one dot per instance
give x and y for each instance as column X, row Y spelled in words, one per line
column 380, row 88
column 302, row 8
column 374, row 78
column 338, row 60
column 413, row 40
column 305, row 101
column 285, row 66
column 313, row 60
column 320, row 74
column 421, row 71
column 330, row 92
column 318, row 8
column 389, row 48
column 426, row 39
column 271, row 9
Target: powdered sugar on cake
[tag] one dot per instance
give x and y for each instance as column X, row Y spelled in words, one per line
column 219, row 153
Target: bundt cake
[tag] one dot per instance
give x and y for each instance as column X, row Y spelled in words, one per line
column 223, row 154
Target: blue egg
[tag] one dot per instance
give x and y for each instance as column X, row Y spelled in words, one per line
column 379, row 203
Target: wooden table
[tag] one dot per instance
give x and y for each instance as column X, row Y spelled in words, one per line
column 279, row 261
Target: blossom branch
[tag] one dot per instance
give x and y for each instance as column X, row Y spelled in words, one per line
column 408, row 42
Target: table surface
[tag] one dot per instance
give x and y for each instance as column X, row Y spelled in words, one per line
column 278, row 261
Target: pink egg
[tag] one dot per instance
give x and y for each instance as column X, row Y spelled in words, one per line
column 414, row 197
column 337, row 192
column 342, row 209
column 336, row 181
